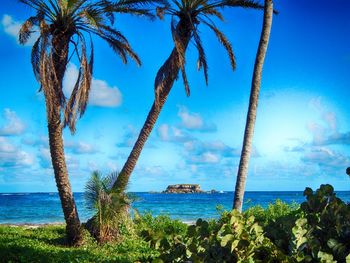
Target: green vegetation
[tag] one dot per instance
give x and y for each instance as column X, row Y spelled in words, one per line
column 48, row 244
column 316, row 231
column 110, row 207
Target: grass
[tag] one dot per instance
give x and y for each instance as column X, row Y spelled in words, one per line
column 48, row 244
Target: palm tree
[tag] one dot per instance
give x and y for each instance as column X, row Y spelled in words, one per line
column 186, row 17
column 110, row 207
column 253, row 105
column 65, row 24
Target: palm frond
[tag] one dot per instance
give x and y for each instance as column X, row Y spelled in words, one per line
column 224, row 41
column 93, row 189
column 202, row 61
column 60, row 23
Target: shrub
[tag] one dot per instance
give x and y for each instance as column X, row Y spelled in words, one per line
column 322, row 233
column 233, row 238
column 277, row 220
column 111, row 207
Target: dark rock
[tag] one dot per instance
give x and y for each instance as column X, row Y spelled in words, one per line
column 183, row 189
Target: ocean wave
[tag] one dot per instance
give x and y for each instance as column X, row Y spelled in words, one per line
column 9, row 194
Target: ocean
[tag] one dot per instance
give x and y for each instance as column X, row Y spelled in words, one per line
column 42, row 208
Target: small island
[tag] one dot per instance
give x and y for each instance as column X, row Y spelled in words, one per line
column 183, row 189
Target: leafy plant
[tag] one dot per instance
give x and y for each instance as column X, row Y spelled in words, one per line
column 277, row 220
column 110, row 207
column 322, row 234
column 233, row 238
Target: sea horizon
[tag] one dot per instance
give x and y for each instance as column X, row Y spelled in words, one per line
column 45, row 207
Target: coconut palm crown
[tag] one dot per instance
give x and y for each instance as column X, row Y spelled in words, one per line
column 186, row 16
column 65, row 24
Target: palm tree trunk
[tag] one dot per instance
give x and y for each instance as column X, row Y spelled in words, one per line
column 172, row 70
column 53, row 96
column 147, row 128
column 71, row 217
column 253, row 105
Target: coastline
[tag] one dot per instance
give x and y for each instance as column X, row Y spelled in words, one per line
column 32, row 225
column 37, row 225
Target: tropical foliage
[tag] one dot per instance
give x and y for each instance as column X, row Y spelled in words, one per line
column 111, row 208
column 323, row 230
column 316, row 231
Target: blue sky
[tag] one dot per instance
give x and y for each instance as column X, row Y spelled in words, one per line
column 302, row 134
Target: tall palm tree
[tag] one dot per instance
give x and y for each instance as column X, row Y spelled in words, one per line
column 253, row 105
column 64, row 27
column 186, row 17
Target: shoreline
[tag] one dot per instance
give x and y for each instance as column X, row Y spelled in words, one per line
column 37, row 225
column 32, row 225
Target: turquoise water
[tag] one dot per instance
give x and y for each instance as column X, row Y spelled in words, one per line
column 39, row 208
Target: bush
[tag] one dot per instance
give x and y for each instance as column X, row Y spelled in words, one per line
column 233, row 238
column 322, row 233
column 277, row 220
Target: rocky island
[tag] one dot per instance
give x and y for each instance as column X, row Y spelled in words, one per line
column 183, row 189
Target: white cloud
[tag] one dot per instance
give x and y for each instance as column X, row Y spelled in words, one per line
column 12, row 27
column 190, row 120
column 209, row 157
column 129, row 137
column 13, row 125
column 194, row 121
column 12, row 156
column 326, row 157
column 168, row 133
column 101, row 94
column 5, row 146
column 36, row 141
column 326, row 132
column 163, row 132
column 81, row 148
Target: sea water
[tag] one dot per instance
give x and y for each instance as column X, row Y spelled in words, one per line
column 41, row 208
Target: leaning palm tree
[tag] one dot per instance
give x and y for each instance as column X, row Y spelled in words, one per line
column 253, row 105
column 64, row 27
column 186, row 17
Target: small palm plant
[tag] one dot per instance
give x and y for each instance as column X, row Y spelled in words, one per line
column 110, row 207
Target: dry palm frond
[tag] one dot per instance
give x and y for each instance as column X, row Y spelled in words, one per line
column 62, row 23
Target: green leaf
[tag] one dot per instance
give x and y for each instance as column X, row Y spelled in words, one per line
column 348, row 259
column 234, row 245
column 326, row 258
column 226, row 239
